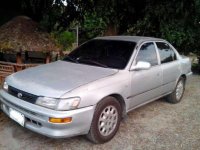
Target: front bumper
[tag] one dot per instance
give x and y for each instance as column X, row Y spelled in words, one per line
column 37, row 117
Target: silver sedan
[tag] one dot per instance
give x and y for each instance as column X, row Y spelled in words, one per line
column 95, row 86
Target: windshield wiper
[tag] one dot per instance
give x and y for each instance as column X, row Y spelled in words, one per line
column 92, row 62
column 68, row 58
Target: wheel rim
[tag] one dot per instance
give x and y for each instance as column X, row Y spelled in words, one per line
column 108, row 120
column 179, row 90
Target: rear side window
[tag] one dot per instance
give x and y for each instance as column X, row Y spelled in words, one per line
column 166, row 53
column 148, row 53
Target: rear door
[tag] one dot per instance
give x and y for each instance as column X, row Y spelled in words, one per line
column 145, row 84
column 169, row 65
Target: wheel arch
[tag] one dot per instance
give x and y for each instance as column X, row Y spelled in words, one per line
column 121, row 100
column 183, row 76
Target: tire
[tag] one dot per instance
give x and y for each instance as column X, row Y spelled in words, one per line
column 103, row 131
column 174, row 97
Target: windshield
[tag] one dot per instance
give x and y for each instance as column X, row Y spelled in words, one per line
column 103, row 53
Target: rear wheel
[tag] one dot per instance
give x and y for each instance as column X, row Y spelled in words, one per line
column 177, row 94
column 106, row 120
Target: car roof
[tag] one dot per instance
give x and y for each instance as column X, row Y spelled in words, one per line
column 130, row 38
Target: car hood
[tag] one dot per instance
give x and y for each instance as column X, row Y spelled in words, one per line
column 57, row 78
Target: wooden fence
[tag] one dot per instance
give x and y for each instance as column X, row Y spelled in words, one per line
column 7, row 68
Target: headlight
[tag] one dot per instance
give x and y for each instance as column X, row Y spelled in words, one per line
column 5, row 86
column 69, row 103
column 47, row 102
column 59, row 104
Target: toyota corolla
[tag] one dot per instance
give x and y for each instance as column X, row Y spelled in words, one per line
column 95, row 86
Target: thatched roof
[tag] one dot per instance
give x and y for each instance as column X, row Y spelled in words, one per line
column 22, row 34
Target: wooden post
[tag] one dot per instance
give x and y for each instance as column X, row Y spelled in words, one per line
column 19, row 61
column 48, row 57
column 19, row 58
column 26, row 56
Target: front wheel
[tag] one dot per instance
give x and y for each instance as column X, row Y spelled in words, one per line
column 177, row 94
column 106, row 120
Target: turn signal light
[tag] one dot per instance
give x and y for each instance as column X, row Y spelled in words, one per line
column 60, row 120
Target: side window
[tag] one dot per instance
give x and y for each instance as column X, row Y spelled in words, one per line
column 148, row 53
column 166, row 53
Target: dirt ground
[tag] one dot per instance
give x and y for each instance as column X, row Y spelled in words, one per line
column 158, row 125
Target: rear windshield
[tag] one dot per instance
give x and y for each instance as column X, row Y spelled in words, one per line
column 103, row 53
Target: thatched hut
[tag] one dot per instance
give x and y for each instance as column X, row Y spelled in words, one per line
column 22, row 45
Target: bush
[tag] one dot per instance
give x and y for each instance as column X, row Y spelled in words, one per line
column 65, row 39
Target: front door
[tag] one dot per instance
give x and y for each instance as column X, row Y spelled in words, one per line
column 146, row 84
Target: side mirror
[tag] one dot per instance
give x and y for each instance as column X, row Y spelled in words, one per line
column 141, row 65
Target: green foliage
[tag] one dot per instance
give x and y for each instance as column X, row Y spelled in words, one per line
column 52, row 14
column 92, row 26
column 178, row 21
column 64, row 39
column 114, row 14
column 173, row 20
column 180, row 36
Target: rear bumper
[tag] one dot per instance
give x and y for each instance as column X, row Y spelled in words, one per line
column 188, row 76
column 37, row 118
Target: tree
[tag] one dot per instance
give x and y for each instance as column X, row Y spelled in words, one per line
column 53, row 14
column 116, row 14
column 174, row 20
column 178, row 21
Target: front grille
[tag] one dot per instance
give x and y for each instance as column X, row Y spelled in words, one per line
column 23, row 95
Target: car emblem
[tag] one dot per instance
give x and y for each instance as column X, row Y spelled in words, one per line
column 19, row 95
